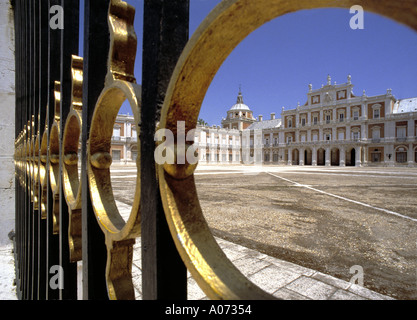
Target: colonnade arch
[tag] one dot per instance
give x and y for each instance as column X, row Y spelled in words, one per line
column 327, row 156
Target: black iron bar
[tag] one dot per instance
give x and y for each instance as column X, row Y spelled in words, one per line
column 165, row 33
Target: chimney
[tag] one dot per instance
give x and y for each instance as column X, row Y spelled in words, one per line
column 260, row 118
column 273, row 116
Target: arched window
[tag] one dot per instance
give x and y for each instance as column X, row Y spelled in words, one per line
column 401, row 154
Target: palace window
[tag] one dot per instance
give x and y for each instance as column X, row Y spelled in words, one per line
column 401, row 132
column 341, row 117
column 289, row 123
column 356, row 115
column 303, row 122
column 376, row 111
column 315, row 120
column 116, row 131
column 376, row 155
column 356, row 135
column 327, row 118
column 401, row 155
column 115, row 154
column 376, row 133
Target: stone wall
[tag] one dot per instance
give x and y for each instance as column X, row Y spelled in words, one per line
column 7, row 121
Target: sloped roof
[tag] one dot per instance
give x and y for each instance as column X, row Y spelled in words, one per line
column 266, row 124
column 405, row 105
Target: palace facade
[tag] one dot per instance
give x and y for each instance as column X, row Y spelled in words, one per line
column 333, row 128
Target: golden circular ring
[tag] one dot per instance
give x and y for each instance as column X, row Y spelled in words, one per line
column 99, row 161
column 71, row 182
column 70, row 146
column 222, row 30
column 54, row 172
column 54, row 156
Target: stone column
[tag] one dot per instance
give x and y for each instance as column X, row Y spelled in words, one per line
column 328, row 155
column 290, row 156
column 358, row 156
column 410, row 157
column 301, row 155
column 342, row 156
column 363, row 132
column 314, row 157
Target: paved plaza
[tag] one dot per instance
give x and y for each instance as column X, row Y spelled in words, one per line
column 327, row 219
column 297, row 232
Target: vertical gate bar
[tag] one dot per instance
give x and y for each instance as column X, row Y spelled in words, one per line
column 53, row 75
column 69, row 46
column 43, row 100
column 165, row 33
column 96, row 46
column 23, row 118
column 29, row 199
column 26, row 106
column 18, row 129
column 35, row 108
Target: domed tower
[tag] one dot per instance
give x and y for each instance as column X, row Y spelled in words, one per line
column 239, row 116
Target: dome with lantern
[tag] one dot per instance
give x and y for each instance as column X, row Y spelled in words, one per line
column 239, row 116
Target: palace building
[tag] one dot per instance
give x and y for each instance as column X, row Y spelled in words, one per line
column 333, row 128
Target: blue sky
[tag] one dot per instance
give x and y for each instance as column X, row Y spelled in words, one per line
column 276, row 62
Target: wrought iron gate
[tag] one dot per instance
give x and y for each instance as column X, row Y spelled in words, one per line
column 65, row 102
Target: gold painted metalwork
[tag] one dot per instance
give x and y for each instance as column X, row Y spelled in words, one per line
column 43, row 171
column 70, row 149
column 54, row 173
column 27, row 155
column 36, row 165
column 120, row 85
column 222, row 30
column 31, row 160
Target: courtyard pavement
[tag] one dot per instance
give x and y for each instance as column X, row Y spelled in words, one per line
column 280, row 278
